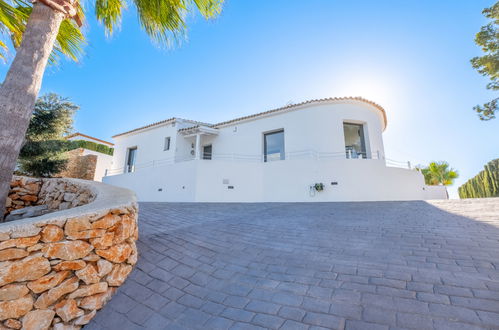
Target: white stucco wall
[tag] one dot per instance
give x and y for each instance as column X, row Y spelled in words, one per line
column 149, row 143
column 177, row 182
column 280, row 181
column 317, row 127
column 435, row 192
column 313, row 127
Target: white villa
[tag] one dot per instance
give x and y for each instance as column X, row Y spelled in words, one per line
column 320, row 150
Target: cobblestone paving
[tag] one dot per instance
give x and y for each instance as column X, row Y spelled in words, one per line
column 378, row 265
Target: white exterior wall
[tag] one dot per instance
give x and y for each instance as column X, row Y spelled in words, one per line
column 317, row 127
column 312, row 127
column 280, row 181
column 176, row 181
column 436, row 192
column 150, row 146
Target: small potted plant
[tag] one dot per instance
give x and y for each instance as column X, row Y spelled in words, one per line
column 319, row 187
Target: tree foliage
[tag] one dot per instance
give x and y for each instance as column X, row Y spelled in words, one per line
column 163, row 21
column 484, row 184
column 13, row 18
column 488, row 64
column 43, row 152
column 438, row 173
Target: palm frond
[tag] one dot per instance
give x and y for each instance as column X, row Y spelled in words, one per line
column 209, row 8
column 164, row 20
column 11, row 25
column 3, row 50
column 70, row 42
column 11, row 18
column 108, row 12
column 437, row 173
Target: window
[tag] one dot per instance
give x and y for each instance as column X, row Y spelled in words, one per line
column 355, row 145
column 273, row 146
column 207, row 152
column 130, row 159
column 167, row 144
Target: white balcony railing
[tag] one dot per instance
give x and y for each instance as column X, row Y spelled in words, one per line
column 294, row 155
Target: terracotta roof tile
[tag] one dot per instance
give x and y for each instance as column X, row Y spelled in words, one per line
column 190, row 127
column 169, row 120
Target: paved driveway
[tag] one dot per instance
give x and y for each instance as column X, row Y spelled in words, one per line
column 305, row 266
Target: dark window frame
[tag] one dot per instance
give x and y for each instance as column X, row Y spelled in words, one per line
column 168, row 141
column 130, row 166
column 283, row 151
column 208, row 156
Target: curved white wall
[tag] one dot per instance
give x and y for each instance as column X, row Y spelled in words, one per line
column 317, row 127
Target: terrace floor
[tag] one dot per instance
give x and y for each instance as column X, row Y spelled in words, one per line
column 373, row 265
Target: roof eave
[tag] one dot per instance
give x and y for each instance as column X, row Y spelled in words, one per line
column 297, row 106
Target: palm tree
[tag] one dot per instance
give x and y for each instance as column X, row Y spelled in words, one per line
column 163, row 21
column 438, row 173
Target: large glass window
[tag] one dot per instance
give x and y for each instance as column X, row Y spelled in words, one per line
column 273, row 146
column 355, row 145
column 130, row 161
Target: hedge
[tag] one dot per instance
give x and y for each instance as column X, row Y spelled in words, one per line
column 92, row 146
column 484, row 184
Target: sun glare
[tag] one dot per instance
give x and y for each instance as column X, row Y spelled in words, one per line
column 382, row 88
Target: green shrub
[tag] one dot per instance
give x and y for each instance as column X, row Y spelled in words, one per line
column 92, row 146
column 43, row 154
column 484, row 184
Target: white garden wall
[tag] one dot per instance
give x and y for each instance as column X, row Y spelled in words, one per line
column 283, row 181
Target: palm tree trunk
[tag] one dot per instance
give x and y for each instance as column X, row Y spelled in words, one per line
column 21, row 86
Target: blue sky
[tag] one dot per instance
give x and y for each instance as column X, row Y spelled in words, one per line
column 412, row 57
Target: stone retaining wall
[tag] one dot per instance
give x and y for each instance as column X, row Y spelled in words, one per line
column 58, row 269
column 79, row 165
column 56, row 194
